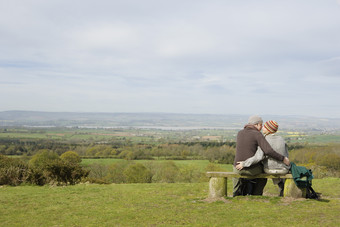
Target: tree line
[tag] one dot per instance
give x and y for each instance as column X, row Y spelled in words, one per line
column 324, row 160
column 221, row 152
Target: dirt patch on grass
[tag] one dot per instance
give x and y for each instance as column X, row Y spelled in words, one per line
column 289, row 200
column 212, row 200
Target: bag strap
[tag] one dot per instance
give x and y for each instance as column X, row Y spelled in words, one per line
column 311, row 194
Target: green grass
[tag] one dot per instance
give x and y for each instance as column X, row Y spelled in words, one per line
column 162, row 205
column 198, row 164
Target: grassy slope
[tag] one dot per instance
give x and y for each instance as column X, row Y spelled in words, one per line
column 198, row 164
column 162, row 204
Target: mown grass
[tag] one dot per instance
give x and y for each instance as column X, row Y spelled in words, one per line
column 162, row 205
column 197, row 164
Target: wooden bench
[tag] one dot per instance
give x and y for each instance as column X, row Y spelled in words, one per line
column 218, row 183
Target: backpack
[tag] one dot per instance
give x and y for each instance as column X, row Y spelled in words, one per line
column 303, row 179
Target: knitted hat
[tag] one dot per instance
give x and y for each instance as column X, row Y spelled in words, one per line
column 253, row 120
column 271, row 126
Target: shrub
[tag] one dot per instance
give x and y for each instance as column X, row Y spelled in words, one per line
column 165, row 172
column 97, row 173
column 13, row 171
column 190, row 174
column 61, row 172
column 116, row 172
column 47, row 167
column 127, row 155
column 222, row 155
column 43, row 158
column 226, row 158
column 99, row 151
column 36, row 176
column 137, row 173
column 324, row 160
column 38, row 173
column 71, row 157
column 331, row 161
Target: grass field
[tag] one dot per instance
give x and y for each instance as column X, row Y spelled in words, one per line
column 163, row 205
column 198, row 164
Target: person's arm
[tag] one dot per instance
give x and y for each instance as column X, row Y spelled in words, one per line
column 254, row 159
column 286, row 150
column 286, row 154
column 267, row 149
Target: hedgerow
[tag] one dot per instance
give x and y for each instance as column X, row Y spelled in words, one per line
column 324, row 160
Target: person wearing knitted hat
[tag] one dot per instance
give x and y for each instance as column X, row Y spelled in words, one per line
column 247, row 142
column 270, row 165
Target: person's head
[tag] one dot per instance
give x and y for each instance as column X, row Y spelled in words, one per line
column 270, row 127
column 256, row 121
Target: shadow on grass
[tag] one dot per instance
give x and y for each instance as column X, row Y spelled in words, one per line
column 266, row 199
column 323, row 200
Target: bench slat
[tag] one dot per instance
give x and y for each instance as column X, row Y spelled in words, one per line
column 232, row 174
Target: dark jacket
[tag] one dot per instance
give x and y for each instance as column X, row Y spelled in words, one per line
column 302, row 176
column 247, row 142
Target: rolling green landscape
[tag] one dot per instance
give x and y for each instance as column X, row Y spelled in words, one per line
column 148, row 113
column 152, row 176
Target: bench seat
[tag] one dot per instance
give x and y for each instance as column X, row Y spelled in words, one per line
column 218, row 183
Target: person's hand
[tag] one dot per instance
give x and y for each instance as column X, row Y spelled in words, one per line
column 239, row 165
column 286, row 161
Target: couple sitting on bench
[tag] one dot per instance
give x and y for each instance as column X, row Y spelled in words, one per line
column 257, row 153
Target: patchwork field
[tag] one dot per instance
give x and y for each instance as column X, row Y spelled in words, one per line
column 162, row 204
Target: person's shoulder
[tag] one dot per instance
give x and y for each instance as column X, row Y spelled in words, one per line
column 250, row 129
column 274, row 137
column 257, row 134
column 240, row 133
column 277, row 137
column 247, row 133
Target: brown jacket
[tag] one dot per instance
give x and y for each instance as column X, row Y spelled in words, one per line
column 247, row 142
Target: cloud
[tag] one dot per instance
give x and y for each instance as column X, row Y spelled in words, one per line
column 175, row 56
column 109, row 37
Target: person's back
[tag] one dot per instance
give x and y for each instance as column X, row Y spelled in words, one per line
column 247, row 142
column 271, row 165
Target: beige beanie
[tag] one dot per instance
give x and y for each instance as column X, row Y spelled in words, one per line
column 253, row 120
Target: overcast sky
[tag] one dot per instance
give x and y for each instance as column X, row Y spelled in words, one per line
column 277, row 57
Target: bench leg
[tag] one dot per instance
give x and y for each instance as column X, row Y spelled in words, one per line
column 217, row 187
column 291, row 190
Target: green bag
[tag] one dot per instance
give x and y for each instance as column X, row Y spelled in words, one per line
column 302, row 176
column 303, row 179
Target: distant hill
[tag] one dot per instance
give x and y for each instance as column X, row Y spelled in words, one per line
column 73, row 119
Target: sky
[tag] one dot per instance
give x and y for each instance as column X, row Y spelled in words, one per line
column 179, row 56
